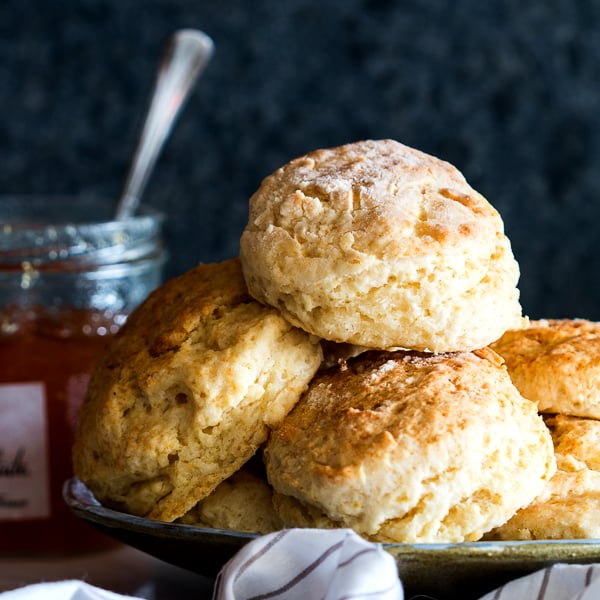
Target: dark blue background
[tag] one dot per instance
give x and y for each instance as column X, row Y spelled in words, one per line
column 506, row 90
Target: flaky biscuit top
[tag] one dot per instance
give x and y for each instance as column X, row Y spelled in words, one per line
column 408, row 199
column 412, row 447
column 380, row 245
column 556, row 363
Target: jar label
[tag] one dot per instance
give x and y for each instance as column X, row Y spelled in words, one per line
column 24, row 479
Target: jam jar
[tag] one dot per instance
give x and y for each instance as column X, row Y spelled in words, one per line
column 69, row 276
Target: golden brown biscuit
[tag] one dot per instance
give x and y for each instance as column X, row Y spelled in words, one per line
column 243, row 502
column 569, row 505
column 411, row 447
column 187, row 392
column 556, row 363
column 294, row 513
column 380, row 245
column 568, row 508
column 576, row 442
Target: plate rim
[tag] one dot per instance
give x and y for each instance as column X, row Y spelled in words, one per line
column 81, row 500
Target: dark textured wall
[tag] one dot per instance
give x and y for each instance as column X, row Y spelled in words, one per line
column 506, row 90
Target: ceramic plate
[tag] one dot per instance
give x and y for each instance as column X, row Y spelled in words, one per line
column 437, row 570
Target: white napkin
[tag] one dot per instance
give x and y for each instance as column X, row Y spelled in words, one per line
column 296, row 564
column 558, row 582
column 62, row 590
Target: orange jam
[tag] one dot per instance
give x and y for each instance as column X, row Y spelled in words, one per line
column 69, row 276
column 45, row 361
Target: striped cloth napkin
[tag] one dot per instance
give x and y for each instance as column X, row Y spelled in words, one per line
column 312, row 564
column 558, row 582
column 301, row 564
column 298, row 564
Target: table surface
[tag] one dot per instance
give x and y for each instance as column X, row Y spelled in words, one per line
column 124, row 570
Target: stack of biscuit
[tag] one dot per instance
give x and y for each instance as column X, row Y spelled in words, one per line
column 341, row 372
column 556, row 363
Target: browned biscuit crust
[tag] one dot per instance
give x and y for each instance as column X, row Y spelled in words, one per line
column 243, row 502
column 379, row 245
column 569, row 505
column 187, row 392
column 411, row 447
column 556, row 363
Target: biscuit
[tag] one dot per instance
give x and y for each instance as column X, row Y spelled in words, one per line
column 187, row 392
column 569, row 505
column 243, row 502
column 556, row 363
column 410, row 447
column 568, row 508
column 576, row 442
column 379, row 245
column 294, row 513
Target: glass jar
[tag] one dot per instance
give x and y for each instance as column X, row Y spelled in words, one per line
column 69, row 276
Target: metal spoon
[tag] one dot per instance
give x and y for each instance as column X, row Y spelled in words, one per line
column 184, row 58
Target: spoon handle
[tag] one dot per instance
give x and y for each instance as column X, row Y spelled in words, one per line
column 184, row 58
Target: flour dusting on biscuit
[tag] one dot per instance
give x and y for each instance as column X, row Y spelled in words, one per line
column 380, row 245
